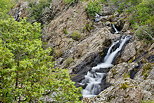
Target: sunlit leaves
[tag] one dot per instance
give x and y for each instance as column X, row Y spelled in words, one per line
column 27, row 69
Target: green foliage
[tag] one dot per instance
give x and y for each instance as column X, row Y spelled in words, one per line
column 143, row 12
column 76, row 35
column 65, row 31
column 146, row 69
column 93, row 7
column 26, row 69
column 147, row 101
column 142, row 19
column 88, row 27
column 5, row 6
column 145, row 33
column 124, row 4
column 37, row 9
column 69, row 1
column 124, row 85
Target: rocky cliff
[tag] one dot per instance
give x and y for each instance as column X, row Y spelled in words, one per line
column 79, row 43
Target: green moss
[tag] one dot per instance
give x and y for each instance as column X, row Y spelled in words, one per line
column 69, row 1
column 147, row 101
column 68, row 61
column 65, row 31
column 146, row 69
column 131, row 60
column 88, row 27
column 76, row 35
column 124, row 85
column 126, row 75
column 58, row 53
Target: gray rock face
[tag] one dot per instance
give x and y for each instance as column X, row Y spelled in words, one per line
column 20, row 10
column 119, row 72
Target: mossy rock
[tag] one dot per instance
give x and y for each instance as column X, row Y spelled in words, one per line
column 68, row 61
column 146, row 69
column 75, row 36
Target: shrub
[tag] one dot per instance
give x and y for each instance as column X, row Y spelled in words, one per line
column 143, row 15
column 142, row 19
column 88, row 27
column 123, row 5
column 5, row 6
column 65, row 31
column 93, row 7
column 76, row 35
column 36, row 10
column 145, row 33
column 69, row 1
column 27, row 70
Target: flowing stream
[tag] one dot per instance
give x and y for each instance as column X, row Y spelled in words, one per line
column 115, row 29
column 94, row 77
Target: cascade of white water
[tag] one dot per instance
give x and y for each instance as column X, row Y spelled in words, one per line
column 113, row 54
column 97, row 17
column 116, row 31
column 93, row 78
column 109, row 51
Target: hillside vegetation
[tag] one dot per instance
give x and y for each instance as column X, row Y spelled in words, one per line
column 27, row 64
column 27, row 70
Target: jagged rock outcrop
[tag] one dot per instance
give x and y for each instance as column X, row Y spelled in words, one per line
column 20, row 10
column 129, row 83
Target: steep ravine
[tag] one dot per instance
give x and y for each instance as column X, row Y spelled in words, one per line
column 94, row 78
column 79, row 56
column 131, row 78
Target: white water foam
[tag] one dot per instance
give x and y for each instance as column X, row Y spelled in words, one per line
column 116, row 31
column 93, row 79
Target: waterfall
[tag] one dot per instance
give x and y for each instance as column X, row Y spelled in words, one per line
column 93, row 79
column 115, row 29
column 97, row 17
